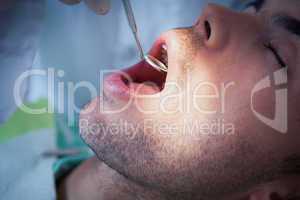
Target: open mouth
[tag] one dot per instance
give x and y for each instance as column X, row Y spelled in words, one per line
column 141, row 78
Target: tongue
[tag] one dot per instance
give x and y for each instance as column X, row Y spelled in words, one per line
column 145, row 78
column 144, row 88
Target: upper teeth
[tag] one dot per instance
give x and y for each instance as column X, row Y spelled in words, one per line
column 164, row 47
column 164, row 55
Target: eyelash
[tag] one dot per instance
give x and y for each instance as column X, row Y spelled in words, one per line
column 257, row 5
column 280, row 61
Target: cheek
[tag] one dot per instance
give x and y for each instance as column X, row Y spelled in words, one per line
column 224, row 79
column 227, row 87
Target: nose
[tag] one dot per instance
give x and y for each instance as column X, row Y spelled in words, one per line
column 216, row 24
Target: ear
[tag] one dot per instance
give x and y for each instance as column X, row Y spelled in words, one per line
column 264, row 195
column 275, row 192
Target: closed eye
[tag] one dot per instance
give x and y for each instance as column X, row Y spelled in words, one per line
column 276, row 54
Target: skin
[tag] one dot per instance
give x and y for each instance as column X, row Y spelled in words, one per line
column 242, row 165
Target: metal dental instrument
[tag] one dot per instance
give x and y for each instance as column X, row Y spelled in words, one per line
column 132, row 24
column 158, row 65
column 154, row 62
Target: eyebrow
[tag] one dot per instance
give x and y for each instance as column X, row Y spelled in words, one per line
column 289, row 23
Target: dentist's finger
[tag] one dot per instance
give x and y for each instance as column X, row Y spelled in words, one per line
column 100, row 7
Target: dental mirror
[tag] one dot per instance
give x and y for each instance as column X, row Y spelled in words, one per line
column 155, row 63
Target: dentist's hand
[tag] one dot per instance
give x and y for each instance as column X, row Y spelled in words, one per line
column 100, row 7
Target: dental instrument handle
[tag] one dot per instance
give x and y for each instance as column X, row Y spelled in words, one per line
column 133, row 26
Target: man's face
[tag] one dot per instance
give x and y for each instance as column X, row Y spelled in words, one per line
column 218, row 120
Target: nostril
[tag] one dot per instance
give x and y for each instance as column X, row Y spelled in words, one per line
column 207, row 29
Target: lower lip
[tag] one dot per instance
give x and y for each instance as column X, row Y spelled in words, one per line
column 115, row 86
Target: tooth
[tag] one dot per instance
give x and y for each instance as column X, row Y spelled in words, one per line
column 164, row 55
column 164, row 46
